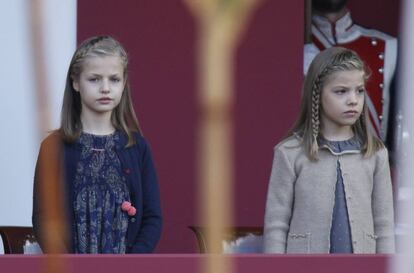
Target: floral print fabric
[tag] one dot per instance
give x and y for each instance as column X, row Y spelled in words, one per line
column 99, row 190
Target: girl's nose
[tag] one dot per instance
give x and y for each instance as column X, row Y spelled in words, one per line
column 352, row 98
column 105, row 87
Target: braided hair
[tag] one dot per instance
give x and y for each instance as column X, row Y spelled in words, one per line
column 308, row 125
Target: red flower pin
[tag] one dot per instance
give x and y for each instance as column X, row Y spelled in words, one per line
column 127, row 207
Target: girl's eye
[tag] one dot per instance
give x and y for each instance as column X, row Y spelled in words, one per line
column 340, row 91
column 116, row 79
column 93, row 79
column 361, row 90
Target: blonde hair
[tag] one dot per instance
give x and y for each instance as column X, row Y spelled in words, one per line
column 308, row 124
column 123, row 116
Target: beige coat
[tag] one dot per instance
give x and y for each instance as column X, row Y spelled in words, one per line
column 301, row 198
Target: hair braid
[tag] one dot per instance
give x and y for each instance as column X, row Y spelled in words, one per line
column 88, row 44
column 315, row 121
column 84, row 49
column 315, row 108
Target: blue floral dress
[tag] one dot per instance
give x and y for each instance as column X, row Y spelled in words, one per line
column 99, row 190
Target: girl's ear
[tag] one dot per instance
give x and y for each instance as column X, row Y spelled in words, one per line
column 75, row 85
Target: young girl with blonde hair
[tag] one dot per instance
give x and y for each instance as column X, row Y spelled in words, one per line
column 330, row 188
column 111, row 195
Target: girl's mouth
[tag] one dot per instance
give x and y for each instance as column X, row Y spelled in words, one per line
column 351, row 113
column 105, row 100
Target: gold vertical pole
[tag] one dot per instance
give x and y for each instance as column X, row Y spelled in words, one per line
column 42, row 100
column 220, row 25
column 49, row 168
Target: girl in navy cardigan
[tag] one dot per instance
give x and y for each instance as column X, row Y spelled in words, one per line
column 110, row 190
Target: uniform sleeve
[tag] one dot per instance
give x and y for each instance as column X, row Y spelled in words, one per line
column 309, row 53
column 382, row 205
column 151, row 226
column 279, row 203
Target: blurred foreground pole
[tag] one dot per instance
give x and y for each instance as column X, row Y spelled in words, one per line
column 220, row 25
column 404, row 261
column 53, row 224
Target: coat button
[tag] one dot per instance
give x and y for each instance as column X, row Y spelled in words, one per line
column 381, row 85
column 381, row 56
column 374, row 42
column 381, row 70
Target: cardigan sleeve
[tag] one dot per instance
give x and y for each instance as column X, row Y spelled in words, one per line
column 382, row 205
column 279, row 203
column 151, row 226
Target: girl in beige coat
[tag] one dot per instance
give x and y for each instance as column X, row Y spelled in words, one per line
column 330, row 188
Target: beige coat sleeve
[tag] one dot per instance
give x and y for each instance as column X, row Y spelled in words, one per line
column 279, row 203
column 382, row 205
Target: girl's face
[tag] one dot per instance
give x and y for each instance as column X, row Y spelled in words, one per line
column 100, row 84
column 342, row 99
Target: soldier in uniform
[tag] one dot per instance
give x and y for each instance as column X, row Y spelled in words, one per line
column 332, row 25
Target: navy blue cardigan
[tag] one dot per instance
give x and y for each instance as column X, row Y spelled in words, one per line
column 144, row 228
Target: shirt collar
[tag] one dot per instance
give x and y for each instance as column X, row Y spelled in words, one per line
column 326, row 27
column 350, row 146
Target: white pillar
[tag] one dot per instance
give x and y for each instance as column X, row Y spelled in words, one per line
column 19, row 136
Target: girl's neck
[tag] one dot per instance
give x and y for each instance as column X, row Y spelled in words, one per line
column 338, row 134
column 97, row 124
